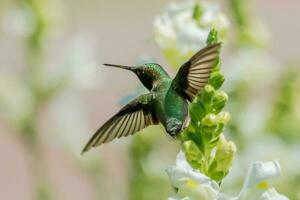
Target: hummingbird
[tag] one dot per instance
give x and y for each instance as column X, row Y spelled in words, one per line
column 167, row 100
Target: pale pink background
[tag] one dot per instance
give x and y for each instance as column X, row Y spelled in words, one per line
column 121, row 32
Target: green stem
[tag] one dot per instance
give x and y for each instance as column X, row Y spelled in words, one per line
column 29, row 125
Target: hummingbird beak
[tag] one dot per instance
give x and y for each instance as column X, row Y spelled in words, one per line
column 131, row 68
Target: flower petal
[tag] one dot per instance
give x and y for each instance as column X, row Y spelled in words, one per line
column 261, row 171
column 182, row 173
column 272, row 194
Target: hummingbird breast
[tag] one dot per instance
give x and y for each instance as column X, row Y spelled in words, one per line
column 170, row 108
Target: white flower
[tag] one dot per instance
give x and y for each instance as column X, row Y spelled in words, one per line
column 258, row 173
column 261, row 171
column 272, row 194
column 80, row 66
column 176, row 28
column 178, row 198
column 192, row 184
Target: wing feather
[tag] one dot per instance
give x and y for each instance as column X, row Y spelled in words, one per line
column 132, row 123
column 195, row 73
column 123, row 125
column 132, row 118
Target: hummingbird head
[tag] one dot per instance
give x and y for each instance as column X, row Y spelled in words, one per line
column 148, row 73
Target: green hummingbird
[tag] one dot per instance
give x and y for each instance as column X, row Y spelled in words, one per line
column 167, row 101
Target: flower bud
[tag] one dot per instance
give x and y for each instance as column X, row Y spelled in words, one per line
column 197, row 12
column 225, row 153
column 219, row 101
column 212, row 37
column 226, row 150
column 210, row 120
column 207, row 95
column 193, row 153
column 216, row 80
column 209, row 125
column 223, row 117
column 190, row 147
column 224, row 156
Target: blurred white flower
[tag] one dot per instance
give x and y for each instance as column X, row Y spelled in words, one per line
column 16, row 102
column 68, row 117
column 68, row 111
column 80, row 68
column 191, row 184
column 21, row 20
column 177, row 28
column 18, row 22
column 251, row 74
column 251, row 65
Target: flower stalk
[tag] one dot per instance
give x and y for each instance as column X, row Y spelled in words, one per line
column 203, row 142
column 29, row 125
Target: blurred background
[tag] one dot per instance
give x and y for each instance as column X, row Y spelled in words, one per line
column 54, row 93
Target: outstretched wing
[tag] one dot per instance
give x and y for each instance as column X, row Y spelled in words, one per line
column 132, row 118
column 194, row 74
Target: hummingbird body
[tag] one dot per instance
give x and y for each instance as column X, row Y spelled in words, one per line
column 167, row 100
column 169, row 106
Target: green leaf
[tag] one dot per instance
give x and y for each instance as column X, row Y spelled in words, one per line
column 197, row 111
